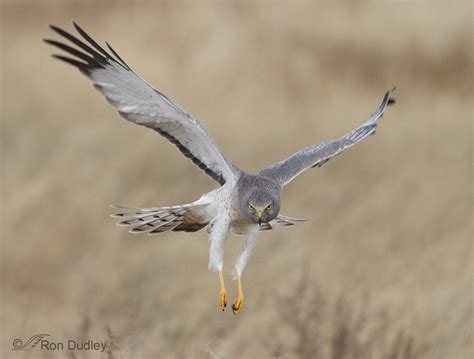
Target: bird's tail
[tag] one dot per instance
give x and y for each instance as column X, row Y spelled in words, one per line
column 156, row 220
column 281, row 221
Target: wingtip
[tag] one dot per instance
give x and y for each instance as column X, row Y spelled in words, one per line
column 391, row 100
column 56, row 29
column 78, row 28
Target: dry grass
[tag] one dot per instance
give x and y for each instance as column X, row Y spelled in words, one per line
column 315, row 326
column 391, row 244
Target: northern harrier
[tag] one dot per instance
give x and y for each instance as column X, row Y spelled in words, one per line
column 244, row 204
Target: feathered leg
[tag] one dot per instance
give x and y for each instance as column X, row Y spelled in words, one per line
column 218, row 231
column 247, row 248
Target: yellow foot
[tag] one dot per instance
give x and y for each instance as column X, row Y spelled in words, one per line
column 223, row 294
column 223, row 300
column 238, row 304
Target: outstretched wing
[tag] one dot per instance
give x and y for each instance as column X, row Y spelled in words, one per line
column 139, row 102
column 317, row 155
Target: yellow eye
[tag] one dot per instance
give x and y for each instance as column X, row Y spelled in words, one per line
column 269, row 207
column 251, row 208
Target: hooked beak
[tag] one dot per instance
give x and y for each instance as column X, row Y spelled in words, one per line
column 259, row 215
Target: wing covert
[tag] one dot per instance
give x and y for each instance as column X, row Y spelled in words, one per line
column 139, row 102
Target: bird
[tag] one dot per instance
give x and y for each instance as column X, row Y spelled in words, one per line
column 243, row 204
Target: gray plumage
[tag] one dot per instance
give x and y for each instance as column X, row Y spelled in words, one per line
column 259, row 192
column 317, row 155
column 243, row 203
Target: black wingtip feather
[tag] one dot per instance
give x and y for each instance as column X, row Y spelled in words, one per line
column 391, row 100
column 80, row 44
column 117, row 56
column 55, row 28
column 72, row 51
column 91, row 40
column 95, row 56
column 83, row 67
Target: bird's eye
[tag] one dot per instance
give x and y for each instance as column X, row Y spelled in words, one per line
column 251, row 208
column 269, row 207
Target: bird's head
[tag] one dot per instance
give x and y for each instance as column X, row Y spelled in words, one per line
column 261, row 205
column 262, row 211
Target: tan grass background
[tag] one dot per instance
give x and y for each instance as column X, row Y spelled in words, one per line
column 391, row 240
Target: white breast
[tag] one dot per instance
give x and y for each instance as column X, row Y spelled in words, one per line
column 223, row 204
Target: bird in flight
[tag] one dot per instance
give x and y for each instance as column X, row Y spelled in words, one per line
column 244, row 204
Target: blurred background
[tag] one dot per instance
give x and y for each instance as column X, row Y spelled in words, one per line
column 385, row 268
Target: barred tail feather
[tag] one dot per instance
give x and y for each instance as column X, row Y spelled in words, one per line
column 157, row 220
column 285, row 221
column 281, row 221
